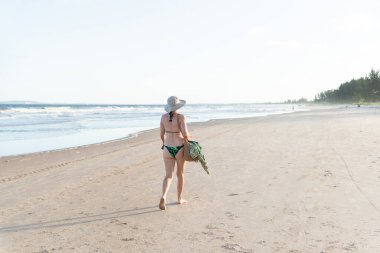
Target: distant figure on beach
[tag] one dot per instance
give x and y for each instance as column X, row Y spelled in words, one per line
column 173, row 133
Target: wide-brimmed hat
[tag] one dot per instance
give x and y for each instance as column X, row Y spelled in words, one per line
column 174, row 103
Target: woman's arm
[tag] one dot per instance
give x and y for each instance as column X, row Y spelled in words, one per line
column 183, row 128
column 162, row 130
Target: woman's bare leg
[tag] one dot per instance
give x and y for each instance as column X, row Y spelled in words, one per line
column 180, row 176
column 169, row 168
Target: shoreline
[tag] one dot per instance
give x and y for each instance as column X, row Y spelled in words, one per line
column 135, row 134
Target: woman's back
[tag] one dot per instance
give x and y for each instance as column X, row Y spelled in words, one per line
column 174, row 130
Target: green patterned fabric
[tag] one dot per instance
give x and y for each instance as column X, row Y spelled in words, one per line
column 197, row 154
column 173, row 150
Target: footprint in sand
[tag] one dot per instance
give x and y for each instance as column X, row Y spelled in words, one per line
column 128, row 239
column 235, row 247
column 327, row 224
column 231, row 216
column 210, row 233
column 117, row 222
column 43, row 251
column 350, row 247
column 210, row 226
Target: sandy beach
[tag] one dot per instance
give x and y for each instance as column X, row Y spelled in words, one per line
column 300, row 182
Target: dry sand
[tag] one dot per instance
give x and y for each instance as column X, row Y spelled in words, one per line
column 302, row 182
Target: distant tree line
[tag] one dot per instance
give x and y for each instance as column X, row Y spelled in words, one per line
column 295, row 101
column 364, row 89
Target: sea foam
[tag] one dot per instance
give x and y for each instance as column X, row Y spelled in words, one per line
column 40, row 127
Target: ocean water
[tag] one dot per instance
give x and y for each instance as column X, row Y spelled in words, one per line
column 41, row 127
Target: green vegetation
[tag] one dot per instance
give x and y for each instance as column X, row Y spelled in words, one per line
column 296, row 101
column 363, row 90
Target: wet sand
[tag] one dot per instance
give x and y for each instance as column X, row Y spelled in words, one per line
column 301, row 182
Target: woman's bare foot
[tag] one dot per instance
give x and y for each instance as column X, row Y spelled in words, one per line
column 162, row 205
column 182, row 201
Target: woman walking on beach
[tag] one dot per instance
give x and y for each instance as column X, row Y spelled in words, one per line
column 173, row 133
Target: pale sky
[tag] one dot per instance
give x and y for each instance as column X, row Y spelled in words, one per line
column 93, row 51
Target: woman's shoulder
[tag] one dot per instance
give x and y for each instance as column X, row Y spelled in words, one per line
column 181, row 117
column 164, row 117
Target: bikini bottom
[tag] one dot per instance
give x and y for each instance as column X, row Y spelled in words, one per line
column 173, row 150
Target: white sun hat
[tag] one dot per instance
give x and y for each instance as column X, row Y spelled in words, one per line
column 174, row 103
